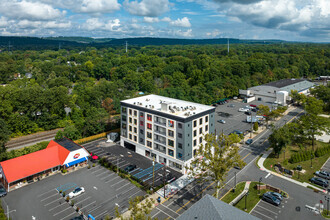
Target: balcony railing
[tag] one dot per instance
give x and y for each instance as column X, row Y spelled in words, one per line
column 160, row 141
column 160, row 123
column 160, row 132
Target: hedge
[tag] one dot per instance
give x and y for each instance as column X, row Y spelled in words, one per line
column 306, row 155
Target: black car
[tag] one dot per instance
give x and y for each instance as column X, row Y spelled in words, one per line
column 320, row 182
column 247, row 113
column 170, row 178
column 130, row 168
column 254, row 110
column 268, row 197
column 3, row 191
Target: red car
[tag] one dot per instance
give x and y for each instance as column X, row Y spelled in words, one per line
column 253, row 105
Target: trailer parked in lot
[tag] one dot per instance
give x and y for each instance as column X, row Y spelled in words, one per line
column 253, row 119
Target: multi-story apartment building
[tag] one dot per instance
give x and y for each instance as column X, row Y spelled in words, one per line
column 169, row 130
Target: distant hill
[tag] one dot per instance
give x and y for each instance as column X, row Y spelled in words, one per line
column 35, row 43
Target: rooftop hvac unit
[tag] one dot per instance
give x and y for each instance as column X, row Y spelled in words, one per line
column 186, row 114
column 141, row 103
column 152, row 107
column 194, row 107
column 146, row 106
column 194, row 113
column 134, row 103
column 147, row 100
column 161, row 102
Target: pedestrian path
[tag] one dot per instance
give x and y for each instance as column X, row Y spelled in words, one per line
column 246, row 189
column 261, row 165
column 175, row 186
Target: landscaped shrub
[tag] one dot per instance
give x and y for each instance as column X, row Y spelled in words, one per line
column 306, row 155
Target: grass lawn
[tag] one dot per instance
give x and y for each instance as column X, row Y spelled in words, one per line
column 325, row 214
column 232, row 195
column 306, row 165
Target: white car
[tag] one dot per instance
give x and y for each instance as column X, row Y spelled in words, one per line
column 76, row 192
column 243, row 110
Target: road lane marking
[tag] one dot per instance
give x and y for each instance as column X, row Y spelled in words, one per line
column 267, row 175
column 164, row 212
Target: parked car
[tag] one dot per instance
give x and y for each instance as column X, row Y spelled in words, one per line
column 243, row 110
column 3, row 191
column 76, row 192
column 268, row 197
column 231, row 105
column 222, row 121
column 236, row 132
column 277, row 195
column 254, row 110
column 247, row 113
column 323, row 174
column 249, row 141
column 130, row 168
column 170, row 178
column 253, row 105
column 320, row 182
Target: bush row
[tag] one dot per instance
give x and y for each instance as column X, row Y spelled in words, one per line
column 306, row 155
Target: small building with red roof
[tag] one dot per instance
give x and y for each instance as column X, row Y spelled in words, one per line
column 59, row 154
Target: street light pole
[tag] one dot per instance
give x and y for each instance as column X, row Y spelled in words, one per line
column 164, row 179
column 260, row 179
column 247, row 193
column 311, row 160
column 235, row 182
column 153, row 174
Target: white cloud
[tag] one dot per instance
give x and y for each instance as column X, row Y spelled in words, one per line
column 99, row 6
column 150, row 20
column 183, row 22
column 3, row 22
column 95, row 24
column 29, row 10
column 166, row 19
column 188, row 33
column 148, row 8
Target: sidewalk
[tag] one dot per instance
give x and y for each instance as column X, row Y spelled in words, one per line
column 261, row 165
column 246, row 189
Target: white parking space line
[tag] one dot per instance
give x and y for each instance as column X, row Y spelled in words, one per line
column 152, row 217
column 123, row 186
column 62, row 203
column 99, row 174
column 118, row 182
column 53, row 201
column 46, row 192
column 164, row 212
column 88, row 205
column 103, row 213
column 263, row 214
column 128, row 190
column 97, row 151
column 267, row 210
column 122, row 166
column 107, row 176
column 101, row 169
column 255, row 206
column 62, row 211
column 66, row 217
column 103, row 153
column 263, row 202
column 112, row 179
column 168, row 209
column 82, row 200
column 48, row 197
column 96, row 166
column 131, row 196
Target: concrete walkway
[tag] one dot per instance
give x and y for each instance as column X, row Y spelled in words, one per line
column 261, row 165
column 246, row 189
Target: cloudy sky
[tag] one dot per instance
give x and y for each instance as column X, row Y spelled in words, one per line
column 294, row 20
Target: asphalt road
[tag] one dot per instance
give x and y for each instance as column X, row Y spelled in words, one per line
column 299, row 196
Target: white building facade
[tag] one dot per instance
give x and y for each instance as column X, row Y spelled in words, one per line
column 168, row 130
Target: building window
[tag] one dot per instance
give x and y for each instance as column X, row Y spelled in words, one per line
column 171, row 143
column 141, row 123
column 170, row 133
column 130, row 136
column 200, row 130
column 149, row 117
column 141, row 140
column 130, row 128
column 200, row 140
column 179, row 135
column 195, row 152
column 123, row 117
column 206, row 128
column 207, row 119
column 171, row 123
column 195, row 123
column 135, row 121
column 180, row 145
column 135, row 113
column 141, row 114
column 130, row 120
column 149, row 144
column 200, row 121
column 195, row 143
column 149, row 126
column 179, row 155
column 124, row 110
column 130, row 111
column 135, row 138
column 195, row 133
column 179, row 125
column 135, row 130
column 149, row 135
column 141, row 131
column 170, row 152
column 123, row 126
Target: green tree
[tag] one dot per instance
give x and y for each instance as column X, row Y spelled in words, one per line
column 214, row 159
column 138, row 210
column 4, row 135
column 279, row 139
column 255, row 126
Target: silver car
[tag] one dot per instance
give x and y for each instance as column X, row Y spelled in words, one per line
column 323, row 174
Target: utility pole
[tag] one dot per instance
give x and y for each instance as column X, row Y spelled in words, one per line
column 260, row 184
column 164, row 179
column 153, row 174
column 251, row 124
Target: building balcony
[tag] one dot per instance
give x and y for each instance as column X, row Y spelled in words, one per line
column 160, row 123
column 160, row 141
column 160, row 132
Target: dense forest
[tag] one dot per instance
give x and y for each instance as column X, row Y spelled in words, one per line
column 79, row 88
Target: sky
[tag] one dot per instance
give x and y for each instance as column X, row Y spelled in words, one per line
column 292, row 20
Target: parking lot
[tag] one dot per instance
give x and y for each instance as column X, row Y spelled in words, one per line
column 104, row 190
column 267, row 211
column 234, row 119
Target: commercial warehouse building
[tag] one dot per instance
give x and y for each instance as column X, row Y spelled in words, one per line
column 22, row 170
column 276, row 92
column 169, row 130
